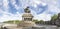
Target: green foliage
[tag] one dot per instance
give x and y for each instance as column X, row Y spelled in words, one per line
column 41, row 21
column 35, row 20
column 54, row 17
column 12, row 21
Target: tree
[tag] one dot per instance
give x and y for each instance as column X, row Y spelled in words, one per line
column 53, row 19
column 12, row 21
column 35, row 20
column 41, row 21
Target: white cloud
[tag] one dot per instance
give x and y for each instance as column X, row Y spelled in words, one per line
column 5, row 5
column 44, row 17
column 8, row 16
column 44, row 4
column 33, row 13
column 1, row 10
column 0, row 4
column 17, row 7
column 37, row 2
column 52, row 7
column 13, row 2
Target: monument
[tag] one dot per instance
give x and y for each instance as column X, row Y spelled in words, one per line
column 27, row 18
column 27, row 23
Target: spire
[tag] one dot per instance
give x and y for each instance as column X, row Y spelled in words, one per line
column 27, row 10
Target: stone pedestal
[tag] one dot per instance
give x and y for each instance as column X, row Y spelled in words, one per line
column 26, row 19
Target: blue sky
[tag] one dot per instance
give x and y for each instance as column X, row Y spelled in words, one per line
column 41, row 9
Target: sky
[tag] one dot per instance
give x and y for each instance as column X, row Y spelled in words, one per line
column 40, row 9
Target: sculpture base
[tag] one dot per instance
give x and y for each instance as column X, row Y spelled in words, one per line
column 26, row 24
